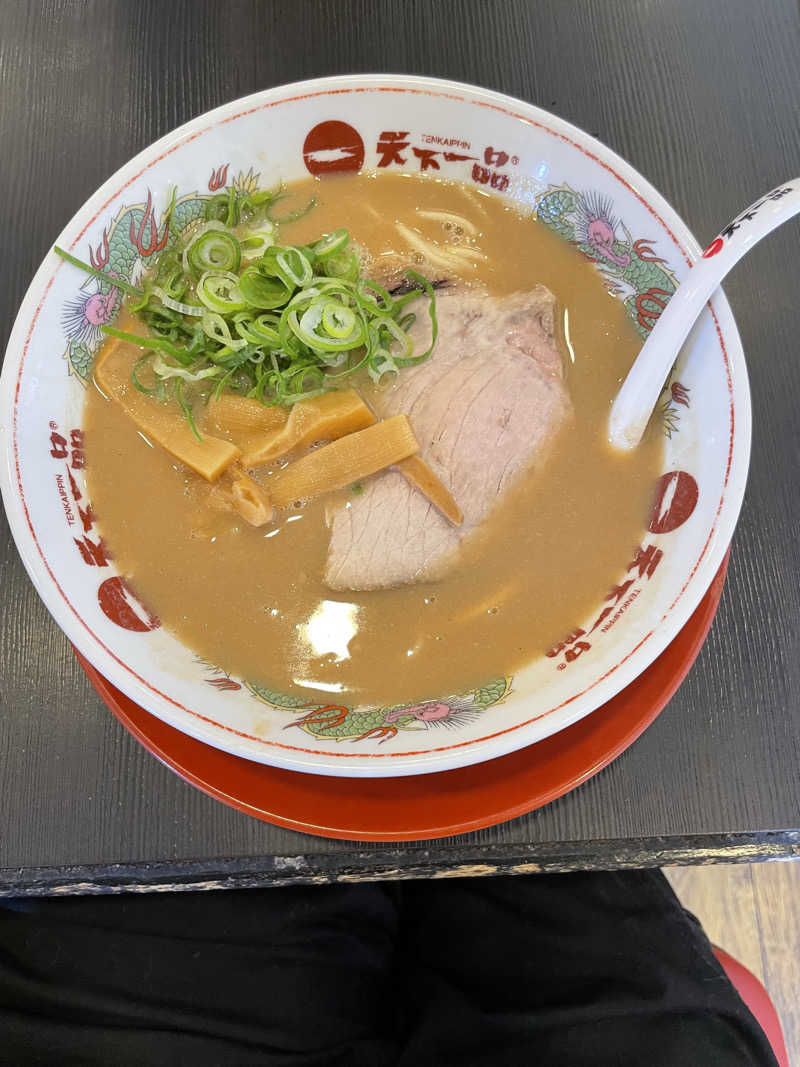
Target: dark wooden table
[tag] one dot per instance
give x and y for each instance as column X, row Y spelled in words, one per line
column 703, row 98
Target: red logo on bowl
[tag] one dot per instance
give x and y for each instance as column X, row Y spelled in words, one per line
column 676, row 499
column 713, row 248
column 121, row 605
column 333, row 147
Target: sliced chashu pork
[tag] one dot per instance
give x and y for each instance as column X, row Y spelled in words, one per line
column 484, row 406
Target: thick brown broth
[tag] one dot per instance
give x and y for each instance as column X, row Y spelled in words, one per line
column 253, row 601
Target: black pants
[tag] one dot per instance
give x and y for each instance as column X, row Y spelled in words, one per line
column 567, row 970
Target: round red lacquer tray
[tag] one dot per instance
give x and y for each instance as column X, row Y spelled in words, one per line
column 426, row 805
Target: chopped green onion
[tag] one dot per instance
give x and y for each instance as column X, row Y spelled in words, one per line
column 213, row 249
column 135, row 376
column 307, row 329
column 256, row 243
column 233, row 215
column 427, row 288
column 158, row 344
column 375, row 295
column 176, row 305
column 279, row 323
column 267, row 328
column 187, row 411
column 293, row 267
column 260, row 291
column 242, row 323
column 381, row 363
column 342, row 265
column 337, row 321
column 118, row 283
column 386, row 325
column 331, row 243
column 217, row 329
column 167, row 370
column 219, row 291
column 295, row 216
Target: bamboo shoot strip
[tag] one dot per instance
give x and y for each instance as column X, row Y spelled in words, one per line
column 321, row 418
column 236, row 414
column 249, row 499
column 163, row 425
column 417, row 472
column 339, row 464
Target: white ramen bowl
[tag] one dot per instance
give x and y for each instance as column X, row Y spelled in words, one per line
column 402, row 124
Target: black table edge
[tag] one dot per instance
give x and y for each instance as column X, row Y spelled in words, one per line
column 402, row 862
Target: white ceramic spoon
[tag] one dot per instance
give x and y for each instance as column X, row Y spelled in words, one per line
column 640, row 391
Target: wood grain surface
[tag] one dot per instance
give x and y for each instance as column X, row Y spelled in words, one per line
column 703, row 100
column 724, row 900
column 753, row 912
